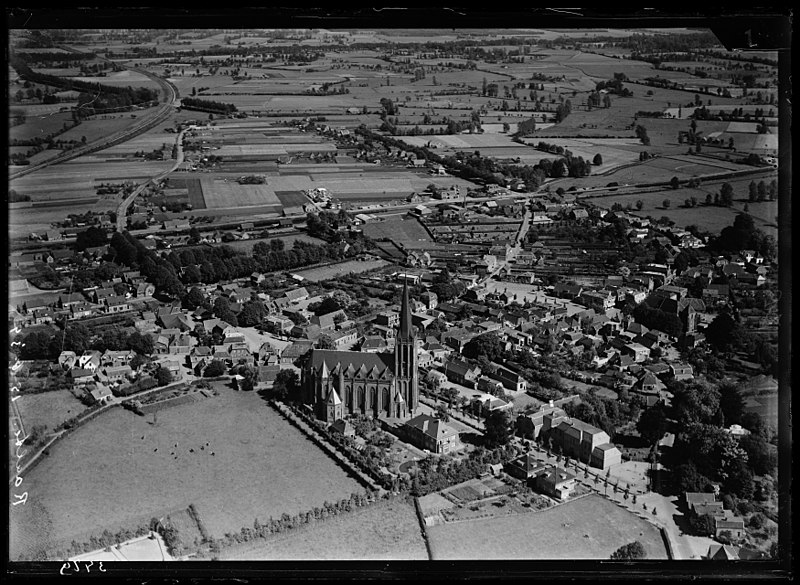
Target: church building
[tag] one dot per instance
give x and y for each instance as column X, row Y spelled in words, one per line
column 385, row 385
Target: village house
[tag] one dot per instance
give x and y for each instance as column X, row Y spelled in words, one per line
column 511, row 381
column 457, row 338
column 681, row 371
column 90, row 360
column 280, row 323
column 373, row 344
column 431, row 434
column 297, row 295
column 117, row 358
column 461, row 372
column 486, row 384
column 98, row 393
column 551, row 480
column 116, row 374
column 67, row 359
column 81, row 376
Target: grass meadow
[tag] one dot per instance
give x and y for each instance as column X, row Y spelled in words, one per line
column 342, row 268
column 247, row 462
column 387, row 530
column 588, row 528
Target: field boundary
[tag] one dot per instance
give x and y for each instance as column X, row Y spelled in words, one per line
column 667, row 543
column 421, row 520
column 326, row 447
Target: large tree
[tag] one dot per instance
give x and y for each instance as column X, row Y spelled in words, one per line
column 652, row 424
column 141, row 344
column 286, row 385
column 488, row 345
column 163, row 376
column 629, row 552
column 252, row 313
column 497, row 429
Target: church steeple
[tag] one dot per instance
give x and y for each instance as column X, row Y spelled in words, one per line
column 405, row 329
column 405, row 352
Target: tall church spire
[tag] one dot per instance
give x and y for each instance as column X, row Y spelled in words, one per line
column 405, row 329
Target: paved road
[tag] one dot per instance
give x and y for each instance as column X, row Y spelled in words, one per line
column 122, row 209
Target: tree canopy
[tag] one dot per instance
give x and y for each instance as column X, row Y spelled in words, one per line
column 629, row 552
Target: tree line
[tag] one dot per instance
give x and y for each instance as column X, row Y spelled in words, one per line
column 106, row 95
column 204, row 105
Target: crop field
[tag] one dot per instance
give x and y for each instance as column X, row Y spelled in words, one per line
column 588, row 528
column 185, row 83
column 227, row 194
column 291, row 198
column 119, row 466
column 363, row 534
column 195, row 188
column 400, row 230
column 82, row 174
column 335, row 270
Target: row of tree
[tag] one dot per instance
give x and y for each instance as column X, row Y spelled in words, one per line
column 206, row 105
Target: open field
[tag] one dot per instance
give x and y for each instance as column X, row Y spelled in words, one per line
column 121, row 79
column 335, row 270
column 400, row 230
column 588, row 528
column 706, row 218
column 32, row 110
column 98, row 128
column 291, row 198
column 48, row 408
column 108, row 473
column 288, row 240
column 225, row 194
column 40, row 125
column 384, row 531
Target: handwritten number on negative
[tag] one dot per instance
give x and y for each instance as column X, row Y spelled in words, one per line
column 87, row 565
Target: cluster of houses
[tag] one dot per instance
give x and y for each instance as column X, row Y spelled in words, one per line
column 72, row 227
column 96, row 373
column 725, row 521
column 113, row 296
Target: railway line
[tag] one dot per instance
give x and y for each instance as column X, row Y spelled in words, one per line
column 169, row 93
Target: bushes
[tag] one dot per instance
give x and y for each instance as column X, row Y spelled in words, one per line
column 143, row 383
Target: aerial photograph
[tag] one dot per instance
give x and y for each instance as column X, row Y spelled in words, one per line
column 392, row 294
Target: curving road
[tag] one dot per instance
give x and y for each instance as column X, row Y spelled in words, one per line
column 170, row 95
column 122, row 208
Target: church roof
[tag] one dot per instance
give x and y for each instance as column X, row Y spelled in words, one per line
column 352, row 361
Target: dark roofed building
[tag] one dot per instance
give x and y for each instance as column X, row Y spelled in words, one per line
column 336, row 383
column 427, row 432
